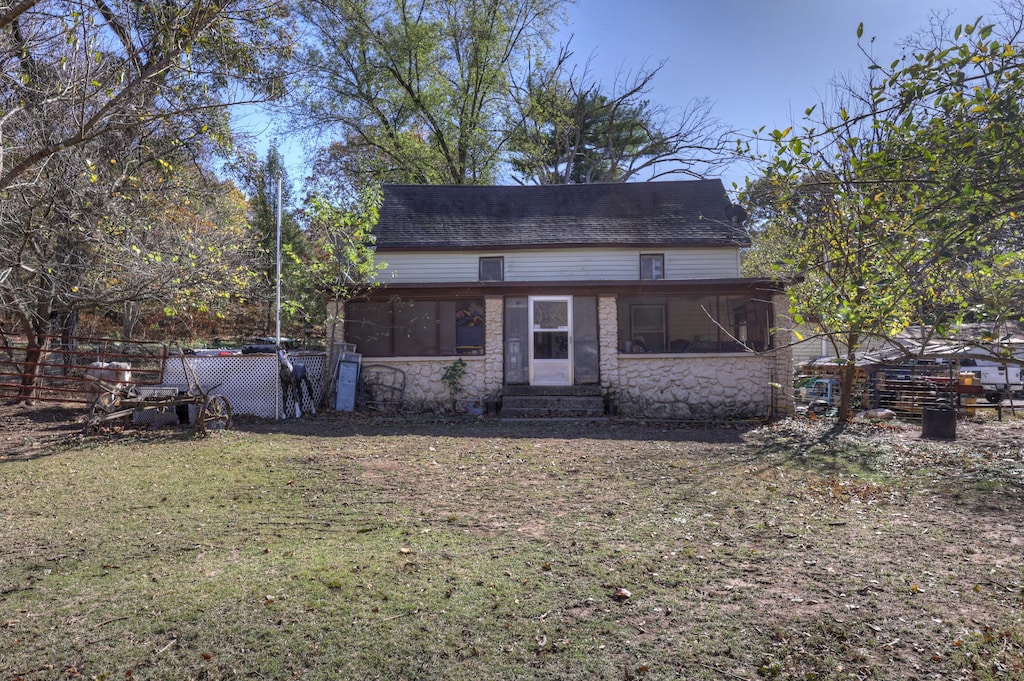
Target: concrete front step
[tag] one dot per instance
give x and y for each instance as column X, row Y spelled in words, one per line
column 552, row 405
column 552, row 390
column 527, row 413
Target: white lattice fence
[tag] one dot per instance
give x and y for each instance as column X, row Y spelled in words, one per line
column 250, row 382
column 316, row 367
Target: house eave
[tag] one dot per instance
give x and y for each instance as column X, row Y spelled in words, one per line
column 497, row 247
column 619, row 287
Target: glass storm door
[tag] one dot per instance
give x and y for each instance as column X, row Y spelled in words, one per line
column 551, row 340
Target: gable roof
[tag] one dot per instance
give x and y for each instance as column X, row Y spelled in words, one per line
column 687, row 213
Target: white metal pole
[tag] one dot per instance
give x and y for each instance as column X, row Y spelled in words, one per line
column 278, row 329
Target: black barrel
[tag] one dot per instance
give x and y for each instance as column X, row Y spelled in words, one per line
column 938, row 422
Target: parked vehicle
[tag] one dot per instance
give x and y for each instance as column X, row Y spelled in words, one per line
column 820, row 394
column 999, row 381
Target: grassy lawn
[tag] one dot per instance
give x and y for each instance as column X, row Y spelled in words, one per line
column 347, row 549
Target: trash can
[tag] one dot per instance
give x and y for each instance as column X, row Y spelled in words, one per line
column 938, row 422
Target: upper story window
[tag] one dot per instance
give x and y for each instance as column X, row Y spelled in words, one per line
column 492, row 269
column 652, row 266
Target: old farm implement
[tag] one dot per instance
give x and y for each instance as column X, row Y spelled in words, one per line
column 212, row 411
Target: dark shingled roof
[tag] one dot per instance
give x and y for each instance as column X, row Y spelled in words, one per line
column 689, row 213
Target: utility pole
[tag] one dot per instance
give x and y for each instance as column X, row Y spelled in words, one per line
column 280, row 182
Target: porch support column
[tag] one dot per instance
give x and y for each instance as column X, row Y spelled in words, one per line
column 334, row 325
column 608, row 341
column 494, row 344
column 782, row 368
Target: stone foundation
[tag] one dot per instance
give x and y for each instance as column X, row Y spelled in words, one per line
column 424, row 389
column 700, row 388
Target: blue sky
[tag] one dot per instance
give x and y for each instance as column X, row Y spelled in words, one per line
column 760, row 62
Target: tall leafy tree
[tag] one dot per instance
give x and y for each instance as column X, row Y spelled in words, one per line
column 186, row 253
column 341, row 265
column 77, row 71
column 104, row 104
column 262, row 180
column 416, row 90
column 898, row 205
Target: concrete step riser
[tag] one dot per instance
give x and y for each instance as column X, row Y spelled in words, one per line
column 549, row 414
column 551, row 406
column 551, row 391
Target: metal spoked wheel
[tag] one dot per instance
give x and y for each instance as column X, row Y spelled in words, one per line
column 107, row 403
column 215, row 414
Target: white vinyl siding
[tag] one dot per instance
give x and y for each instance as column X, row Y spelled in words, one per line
column 563, row 264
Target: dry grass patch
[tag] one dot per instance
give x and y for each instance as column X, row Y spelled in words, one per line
column 340, row 548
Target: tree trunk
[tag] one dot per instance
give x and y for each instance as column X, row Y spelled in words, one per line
column 30, row 370
column 847, row 375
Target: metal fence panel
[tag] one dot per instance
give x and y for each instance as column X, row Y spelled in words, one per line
column 250, row 382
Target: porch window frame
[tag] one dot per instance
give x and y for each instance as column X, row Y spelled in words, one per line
column 641, row 333
column 393, row 330
column 627, row 304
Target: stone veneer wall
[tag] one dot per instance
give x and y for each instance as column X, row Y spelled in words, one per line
column 696, row 387
column 608, row 341
column 494, row 346
column 424, row 390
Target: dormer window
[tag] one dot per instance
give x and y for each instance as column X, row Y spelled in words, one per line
column 652, row 265
column 492, row 269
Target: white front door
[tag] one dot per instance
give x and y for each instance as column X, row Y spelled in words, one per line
column 551, row 340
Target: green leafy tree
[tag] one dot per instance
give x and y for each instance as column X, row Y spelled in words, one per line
column 897, row 206
column 103, row 105
column 261, row 181
column 415, row 92
column 341, row 264
column 77, row 71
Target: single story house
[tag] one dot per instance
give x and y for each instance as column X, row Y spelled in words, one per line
column 630, row 291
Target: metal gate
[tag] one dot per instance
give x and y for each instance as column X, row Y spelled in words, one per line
column 250, row 382
column 57, row 374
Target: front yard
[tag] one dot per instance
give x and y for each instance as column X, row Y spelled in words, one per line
column 342, row 548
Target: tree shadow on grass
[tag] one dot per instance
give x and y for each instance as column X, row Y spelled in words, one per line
column 458, row 427
column 30, row 432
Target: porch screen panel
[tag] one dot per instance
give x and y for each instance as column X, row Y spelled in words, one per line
column 469, row 326
column 693, row 324
column 517, row 338
column 586, row 359
column 369, row 326
column 446, row 331
column 416, row 328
